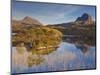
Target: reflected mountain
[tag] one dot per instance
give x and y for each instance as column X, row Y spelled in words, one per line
column 20, row 54
column 83, row 47
column 81, row 43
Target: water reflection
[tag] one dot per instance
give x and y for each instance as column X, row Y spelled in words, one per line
column 83, row 47
column 81, row 43
column 71, row 55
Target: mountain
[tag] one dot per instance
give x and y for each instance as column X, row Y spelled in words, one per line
column 30, row 21
column 16, row 22
column 62, row 25
column 26, row 21
column 85, row 19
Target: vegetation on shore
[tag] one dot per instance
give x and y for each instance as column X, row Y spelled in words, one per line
column 35, row 38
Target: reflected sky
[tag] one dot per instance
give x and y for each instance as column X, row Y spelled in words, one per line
column 66, row 57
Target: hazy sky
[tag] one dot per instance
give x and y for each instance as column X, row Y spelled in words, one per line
column 50, row 13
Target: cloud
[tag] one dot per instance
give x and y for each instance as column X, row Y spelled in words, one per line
column 65, row 57
column 46, row 13
column 60, row 11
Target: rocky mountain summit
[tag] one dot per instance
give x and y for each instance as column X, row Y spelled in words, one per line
column 85, row 19
column 30, row 21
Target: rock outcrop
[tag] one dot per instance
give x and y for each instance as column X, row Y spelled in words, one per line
column 85, row 19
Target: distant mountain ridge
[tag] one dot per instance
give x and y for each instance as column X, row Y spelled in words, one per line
column 26, row 21
column 31, row 21
column 85, row 20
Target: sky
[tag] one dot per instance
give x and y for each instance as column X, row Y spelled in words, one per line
column 48, row 13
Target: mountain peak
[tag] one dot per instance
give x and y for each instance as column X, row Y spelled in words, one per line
column 31, row 21
column 85, row 19
column 27, row 17
column 86, row 14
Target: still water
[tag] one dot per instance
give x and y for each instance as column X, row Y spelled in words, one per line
column 69, row 56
